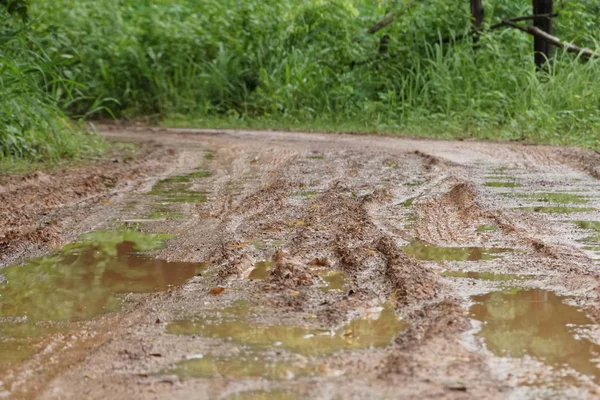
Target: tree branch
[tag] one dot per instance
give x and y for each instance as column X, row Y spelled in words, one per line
column 382, row 24
column 389, row 18
column 536, row 32
column 503, row 24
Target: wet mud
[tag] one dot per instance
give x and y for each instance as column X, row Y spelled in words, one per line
column 267, row 265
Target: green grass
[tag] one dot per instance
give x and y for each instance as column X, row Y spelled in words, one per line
column 285, row 64
column 33, row 127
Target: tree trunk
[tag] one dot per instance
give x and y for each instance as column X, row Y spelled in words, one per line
column 477, row 14
column 542, row 49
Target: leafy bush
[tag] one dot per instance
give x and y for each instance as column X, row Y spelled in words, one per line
column 32, row 125
column 312, row 64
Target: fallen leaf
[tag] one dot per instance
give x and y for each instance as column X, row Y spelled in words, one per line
column 106, row 202
column 295, row 293
column 216, row 291
column 348, row 332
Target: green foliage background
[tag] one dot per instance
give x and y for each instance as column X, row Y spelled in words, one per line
column 308, row 64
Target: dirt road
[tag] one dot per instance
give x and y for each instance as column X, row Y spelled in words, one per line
column 302, row 265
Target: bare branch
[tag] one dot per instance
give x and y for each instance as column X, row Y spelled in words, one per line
column 382, row 24
column 536, row 32
column 389, row 18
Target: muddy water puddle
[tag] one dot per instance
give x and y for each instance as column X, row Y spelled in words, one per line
column 427, row 252
column 376, row 328
column 500, row 184
column 335, row 280
column 14, row 351
column 485, row 276
column 486, row 228
column 85, row 279
column 245, row 365
column 177, row 189
column 261, row 270
column 538, row 324
column 555, row 198
column 165, row 214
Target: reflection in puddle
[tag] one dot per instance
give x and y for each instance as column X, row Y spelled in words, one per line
column 539, row 324
column 484, row 276
column 427, row 252
column 503, row 184
column 24, row 330
column 177, row 189
column 557, row 209
column 83, row 280
column 241, row 366
column 261, row 270
column 14, row 351
column 335, row 280
column 378, row 329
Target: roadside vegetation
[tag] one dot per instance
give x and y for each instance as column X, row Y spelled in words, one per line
column 33, row 125
column 290, row 64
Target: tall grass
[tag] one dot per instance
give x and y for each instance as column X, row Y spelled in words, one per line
column 32, row 125
column 285, row 63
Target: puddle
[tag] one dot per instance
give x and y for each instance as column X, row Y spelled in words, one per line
column 305, row 193
column 23, row 330
column 485, row 276
column 557, row 198
column 556, row 209
column 427, row 252
column 335, row 280
column 261, row 270
column 592, row 225
column 177, row 188
column 486, row 228
column 12, row 351
column 165, row 215
column 498, row 184
column 537, row 323
column 248, row 365
column 83, row 280
column 377, row 329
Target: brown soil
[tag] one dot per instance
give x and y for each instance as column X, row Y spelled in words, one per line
column 306, row 202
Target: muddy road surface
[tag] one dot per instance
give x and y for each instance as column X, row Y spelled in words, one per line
column 279, row 265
